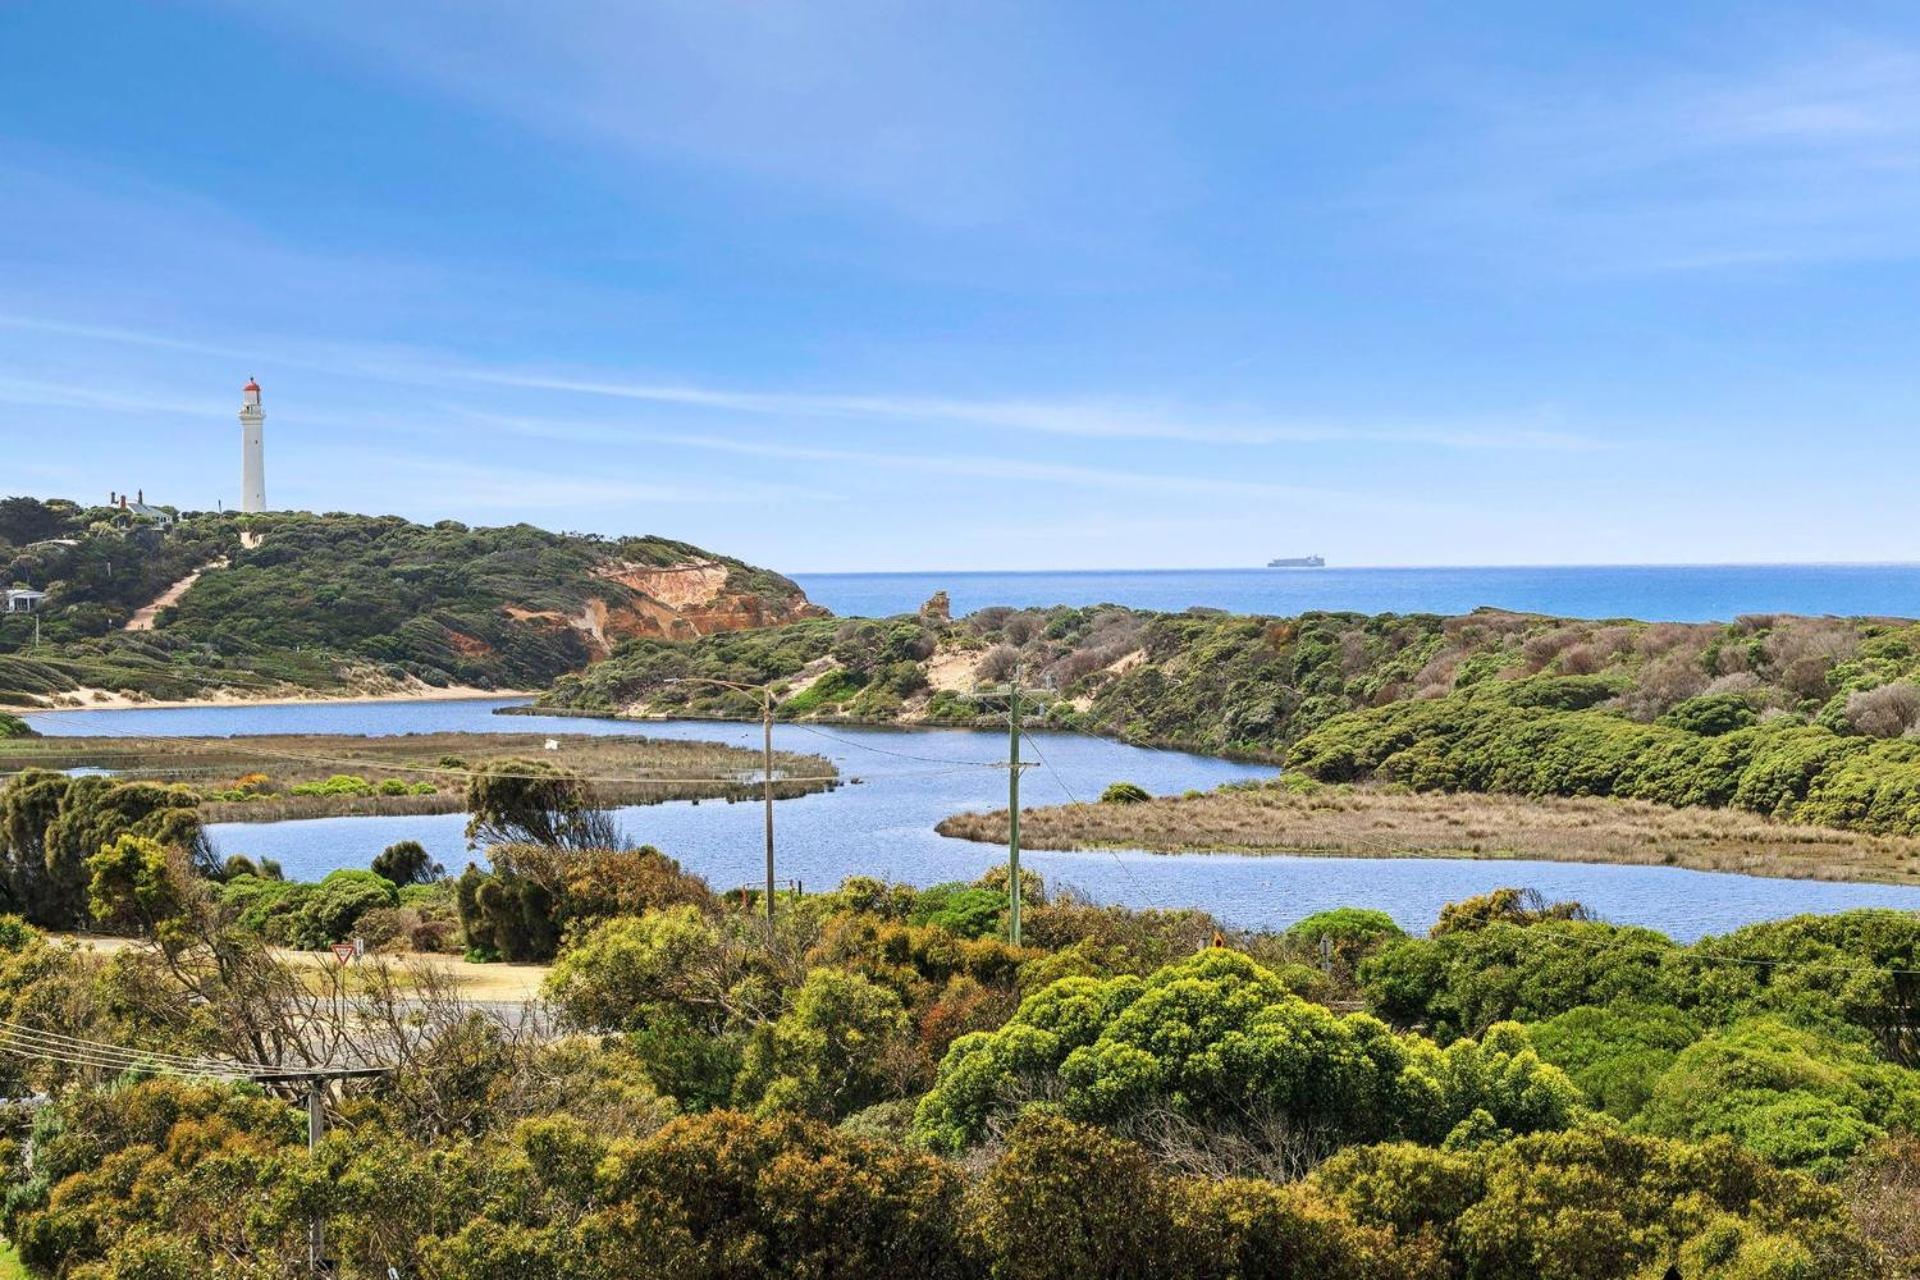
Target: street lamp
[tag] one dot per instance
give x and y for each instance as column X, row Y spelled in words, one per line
column 766, row 773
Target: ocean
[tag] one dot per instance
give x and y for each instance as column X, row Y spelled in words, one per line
column 1653, row 593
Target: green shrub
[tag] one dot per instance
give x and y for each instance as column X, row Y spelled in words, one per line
column 1803, row 1099
column 1712, row 714
column 1217, row 1038
column 340, row 784
column 1616, row 1053
column 968, row 910
column 1125, row 793
column 406, row 862
column 1349, row 933
column 1480, row 742
column 328, row 913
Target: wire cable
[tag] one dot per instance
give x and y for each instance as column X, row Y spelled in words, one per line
column 56, row 1041
column 53, row 1046
column 904, row 755
column 1118, row 861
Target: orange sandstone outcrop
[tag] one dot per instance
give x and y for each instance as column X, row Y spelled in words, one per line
column 674, row 602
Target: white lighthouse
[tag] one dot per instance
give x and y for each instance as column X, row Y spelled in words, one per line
column 253, row 462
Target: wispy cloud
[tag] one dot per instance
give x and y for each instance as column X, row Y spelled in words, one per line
column 404, row 476
column 1809, row 154
column 986, row 466
column 1086, row 419
column 1066, row 418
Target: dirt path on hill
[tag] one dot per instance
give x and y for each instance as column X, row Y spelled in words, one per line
column 142, row 619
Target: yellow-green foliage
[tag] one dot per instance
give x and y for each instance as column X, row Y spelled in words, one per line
column 1218, row 1037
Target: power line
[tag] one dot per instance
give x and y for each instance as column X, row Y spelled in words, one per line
column 904, row 755
column 1118, row 861
column 74, row 1043
column 111, row 1058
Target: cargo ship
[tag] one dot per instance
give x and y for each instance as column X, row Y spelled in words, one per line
column 1298, row 562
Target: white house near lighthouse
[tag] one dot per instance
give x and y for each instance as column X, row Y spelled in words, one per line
column 253, row 462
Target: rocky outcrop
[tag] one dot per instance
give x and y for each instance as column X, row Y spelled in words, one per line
column 673, row 602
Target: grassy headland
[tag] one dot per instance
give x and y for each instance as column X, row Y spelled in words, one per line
column 268, row 778
column 1365, row 822
column 287, row 602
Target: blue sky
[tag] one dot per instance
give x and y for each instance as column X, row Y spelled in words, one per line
column 1024, row 285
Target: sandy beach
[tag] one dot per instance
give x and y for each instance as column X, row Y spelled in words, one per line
column 107, row 700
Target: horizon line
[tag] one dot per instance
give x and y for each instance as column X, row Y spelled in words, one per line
column 1304, row 571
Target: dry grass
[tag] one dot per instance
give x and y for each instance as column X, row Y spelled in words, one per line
column 627, row 769
column 1356, row 822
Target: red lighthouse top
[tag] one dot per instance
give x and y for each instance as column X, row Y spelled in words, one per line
column 251, row 385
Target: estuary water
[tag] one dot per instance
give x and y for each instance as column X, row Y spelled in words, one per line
column 902, row 782
column 1653, row 593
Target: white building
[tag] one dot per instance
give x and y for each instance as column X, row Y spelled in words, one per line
column 140, row 510
column 23, row 601
column 253, row 462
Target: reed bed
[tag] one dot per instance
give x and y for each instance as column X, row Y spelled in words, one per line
column 625, row 769
column 1363, row 822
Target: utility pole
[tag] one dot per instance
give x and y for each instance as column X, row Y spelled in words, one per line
column 766, row 786
column 1013, row 808
column 316, row 1130
column 315, row 1081
column 1014, row 766
column 765, row 693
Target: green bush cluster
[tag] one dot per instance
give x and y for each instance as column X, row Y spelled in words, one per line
column 307, row 916
column 351, row 784
column 735, row 1098
column 971, row 911
column 1787, row 1036
column 1481, row 741
column 1219, row 1036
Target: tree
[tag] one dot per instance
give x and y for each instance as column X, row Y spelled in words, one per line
column 51, row 825
column 533, row 802
column 535, row 893
column 407, row 862
column 675, row 981
column 28, row 805
column 844, row 1043
column 25, row 520
column 137, row 882
column 506, row 916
